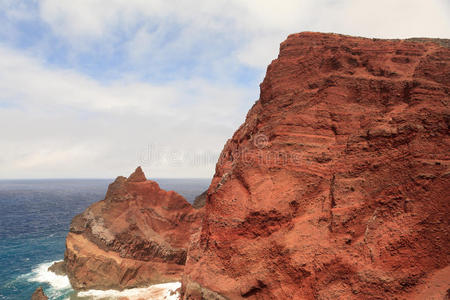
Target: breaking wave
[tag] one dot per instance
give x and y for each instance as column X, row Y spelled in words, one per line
column 164, row 291
column 60, row 288
column 59, row 285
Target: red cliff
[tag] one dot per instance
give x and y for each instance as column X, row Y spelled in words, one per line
column 137, row 236
column 337, row 184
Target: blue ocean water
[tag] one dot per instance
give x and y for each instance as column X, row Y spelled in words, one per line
column 34, row 219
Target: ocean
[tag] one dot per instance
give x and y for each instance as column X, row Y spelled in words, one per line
column 34, row 220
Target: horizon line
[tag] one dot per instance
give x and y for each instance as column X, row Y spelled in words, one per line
column 99, row 178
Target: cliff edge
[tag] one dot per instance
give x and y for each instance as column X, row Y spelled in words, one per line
column 336, row 186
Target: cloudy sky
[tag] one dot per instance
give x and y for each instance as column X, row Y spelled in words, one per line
column 93, row 88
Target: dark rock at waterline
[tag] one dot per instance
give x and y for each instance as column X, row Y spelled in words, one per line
column 39, row 294
column 59, row 268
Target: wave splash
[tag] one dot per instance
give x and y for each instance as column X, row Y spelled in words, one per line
column 164, row 291
column 59, row 285
column 60, row 288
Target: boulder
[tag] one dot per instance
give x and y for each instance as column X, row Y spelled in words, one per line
column 39, row 294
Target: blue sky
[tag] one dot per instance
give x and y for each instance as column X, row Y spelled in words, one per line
column 93, row 88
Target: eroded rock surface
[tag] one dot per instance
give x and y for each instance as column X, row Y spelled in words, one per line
column 337, row 184
column 59, row 268
column 200, row 200
column 39, row 294
column 137, row 236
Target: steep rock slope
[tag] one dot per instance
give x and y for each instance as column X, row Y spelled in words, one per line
column 136, row 236
column 200, row 200
column 337, row 184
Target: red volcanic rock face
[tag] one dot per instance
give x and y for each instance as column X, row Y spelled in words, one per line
column 138, row 235
column 337, row 184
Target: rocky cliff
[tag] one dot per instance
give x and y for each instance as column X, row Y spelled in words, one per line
column 337, row 184
column 137, row 236
column 200, row 200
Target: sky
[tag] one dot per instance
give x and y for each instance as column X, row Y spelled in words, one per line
column 94, row 88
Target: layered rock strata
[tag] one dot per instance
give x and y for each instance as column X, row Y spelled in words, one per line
column 337, row 184
column 137, row 236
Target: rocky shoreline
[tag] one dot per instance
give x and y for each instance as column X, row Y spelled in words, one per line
column 39, row 294
column 137, row 236
column 335, row 187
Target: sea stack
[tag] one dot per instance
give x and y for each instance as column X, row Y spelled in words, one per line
column 137, row 236
column 39, row 294
column 336, row 186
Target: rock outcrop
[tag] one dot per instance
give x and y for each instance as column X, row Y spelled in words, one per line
column 39, row 294
column 337, row 184
column 200, row 200
column 59, row 268
column 137, row 236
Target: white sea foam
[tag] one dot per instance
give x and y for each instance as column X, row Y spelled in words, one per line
column 42, row 274
column 164, row 291
column 59, row 285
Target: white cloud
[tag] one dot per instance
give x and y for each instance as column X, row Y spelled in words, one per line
column 60, row 122
column 259, row 51
column 259, row 25
column 55, row 117
column 387, row 19
column 270, row 22
column 15, row 10
column 100, row 18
